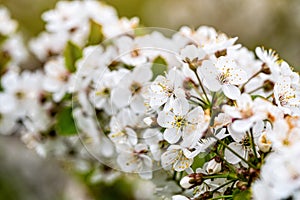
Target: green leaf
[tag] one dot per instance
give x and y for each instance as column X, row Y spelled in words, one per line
column 71, row 54
column 159, row 67
column 201, row 159
column 242, row 195
column 96, row 34
column 65, row 124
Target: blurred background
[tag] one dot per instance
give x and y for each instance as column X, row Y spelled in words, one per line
column 272, row 23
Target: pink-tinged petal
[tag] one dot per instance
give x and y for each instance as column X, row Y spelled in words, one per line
column 230, row 157
column 182, row 164
column 231, row 91
column 172, row 135
column 180, row 106
column 121, row 97
column 165, row 119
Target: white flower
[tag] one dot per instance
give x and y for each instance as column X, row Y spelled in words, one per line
column 15, row 47
column 283, row 185
column 130, row 52
column 7, row 25
column 130, row 89
column 285, row 133
column 224, row 74
column 100, row 96
column 248, row 111
column 180, row 122
column 135, row 159
column 287, row 96
column 47, row 45
column 177, row 158
column 269, row 58
column 163, row 89
column 56, row 78
column 21, row 92
column 153, row 139
column 191, row 54
column 121, row 128
column 242, row 143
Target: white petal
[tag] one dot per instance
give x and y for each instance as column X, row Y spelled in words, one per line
column 230, row 157
column 120, row 97
column 180, row 106
column 169, row 157
column 242, row 125
column 172, row 135
column 137, row 104
column 191, row 52
column 231, row 91
column 196, row 115
column 165, row 119
column 142, row 74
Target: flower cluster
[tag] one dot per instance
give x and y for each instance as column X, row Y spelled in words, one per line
column 212, row 116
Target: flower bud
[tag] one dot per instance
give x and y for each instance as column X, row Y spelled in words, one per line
column 213, row 166
column 191, row 180
column 263, row 143
column 185, row 182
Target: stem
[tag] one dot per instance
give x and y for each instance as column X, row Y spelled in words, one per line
column 270, row 95
column 227, row 163
column 256, row 89
column 253, row 76
column 243, row 159
column 174, row 175
column 192, row 96
column 227, row 175
column 253, row 145
column 216, row 189
column 221, row 197
column 202, row 87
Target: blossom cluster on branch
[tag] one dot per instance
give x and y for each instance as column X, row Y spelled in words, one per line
column 217, row 120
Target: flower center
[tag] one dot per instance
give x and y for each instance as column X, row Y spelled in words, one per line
column 20, row 95
column 223, row 77
column 104, row 92
column 245, row 141
column 135, row 88
column 179, row 121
